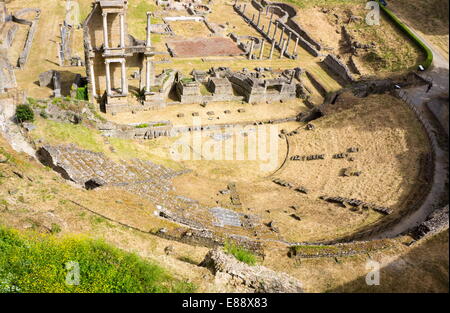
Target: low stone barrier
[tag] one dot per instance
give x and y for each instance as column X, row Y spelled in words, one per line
column 338, row 68
column 29, row 41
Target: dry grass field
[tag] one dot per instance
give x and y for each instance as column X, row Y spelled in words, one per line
column 391, row 143
column 428, row 17
column 257, row 112
column 390, row 139
column 393, row 52
column 41, row 198
column 392, row 146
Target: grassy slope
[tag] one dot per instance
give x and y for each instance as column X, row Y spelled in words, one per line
column 429, row 17
column 394, row 51
column 36, row 264
column 87, row 138
column 42, row 191
column 40, row 198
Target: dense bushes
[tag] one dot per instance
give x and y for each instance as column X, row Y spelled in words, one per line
column 39, row 264
column 82, row 93
column 24, row 113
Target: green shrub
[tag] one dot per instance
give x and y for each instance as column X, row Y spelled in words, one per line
column 31, row 101
column 82, row 93
column 24, row 113
column 55, row 228
column 43, row 114
column 39, row 264
column 240, row 253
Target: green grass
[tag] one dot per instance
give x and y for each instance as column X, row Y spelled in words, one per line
column 186, row 80
column 141, row 126
column 429, row 54
column 204, row 90
column 59, row 133
column 240, row 253
column 137, row 17
column 91, row 139
column 38, row 263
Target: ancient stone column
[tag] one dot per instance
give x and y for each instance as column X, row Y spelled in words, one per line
column 108, row 78
column 122, row 30
column 268, row 28
column 281, row 36
column 289, row 39
column 253, row 18
column 60, row 59
column 243, row 9
column 105, row 30
column 149, row 24
column 271, row 49
column 275, row 31
column 261, row 50
column 295, row 46
column 124, row 78
column 148, row 76
column 92, row 78
column 259, row 18
column 251, row 50
column 283, row 48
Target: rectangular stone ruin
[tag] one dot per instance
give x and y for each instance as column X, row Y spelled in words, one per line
column 51, row 79
column 224, row 217
column 202, row 47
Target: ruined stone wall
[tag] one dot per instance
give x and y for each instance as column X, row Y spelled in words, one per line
column 29, row 41
column 285, row 13
column 301, row 41
column 338, row 68
column 189, row 92
column 8, row 35
column 114, row 30
column 96, row 29
column 7, row 75
column 3, row 12
column 304, row 34
column 435, row 222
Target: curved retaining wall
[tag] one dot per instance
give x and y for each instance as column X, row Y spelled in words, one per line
column 376, row 232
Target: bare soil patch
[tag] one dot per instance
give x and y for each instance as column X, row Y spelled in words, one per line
column 202, row 47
